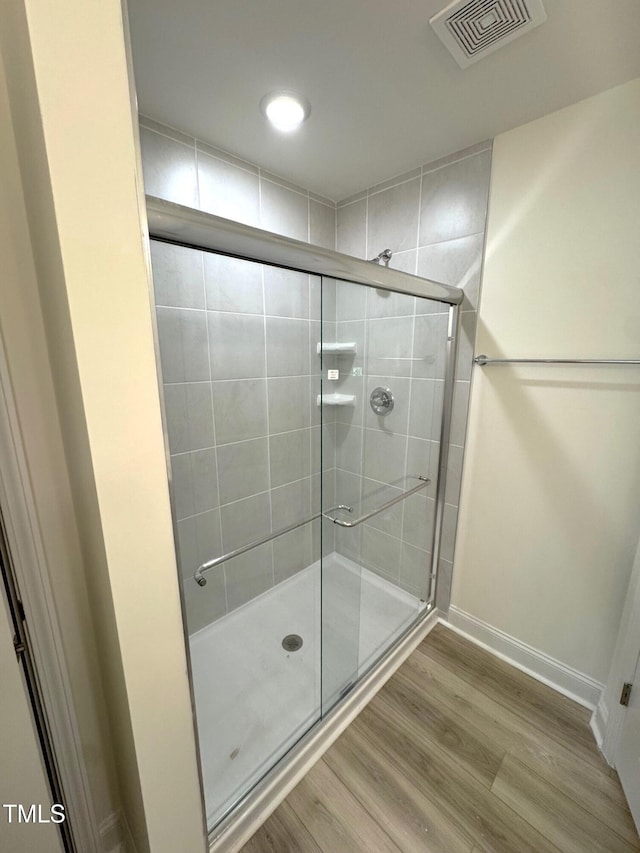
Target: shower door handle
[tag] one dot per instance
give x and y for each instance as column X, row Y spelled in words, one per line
column 342, row 523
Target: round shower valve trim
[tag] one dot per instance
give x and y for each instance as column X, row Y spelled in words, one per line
column 381, row 400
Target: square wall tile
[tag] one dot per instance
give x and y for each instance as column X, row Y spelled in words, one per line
column 226, row 190
column 245, row 521
column 199, row 540
column 373, row 496
column 455, row 262
column 348, row 489
column 243, row 469
column 422, row 461
column 392, row 221
column 293, row 552
column 232, row 284
column 443, row 588
column 419, row 517
column 178, row 277
column 287, row 347
column 388, row 303
column 189, row 415
column 184, row 349
column 169, row 168
column 290, row 402
column 194, row 482
column 449, row 524
column 381, row 551
column 240, row 409
column 454, row 474
column 460, row 410
column 286, row 293
column 389, row 346
column 415, row 570
column 322, row 225
column 236, row 345
column 424, row 420
column 466, row 344
column 322, row 298
column 249, row 575
column 284, row 211
column 352, row 229
column 384, row 456
column 429, row 346
column 291, row 503
column 454, row 199
column 351, row 301
column 349, row 543
column 327, row 435
column 289, row 455
column 349, row 448
column 405, row 261
column 348, row 331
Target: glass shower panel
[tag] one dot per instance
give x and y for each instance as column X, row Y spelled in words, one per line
column 387, row 364
column 241, row 379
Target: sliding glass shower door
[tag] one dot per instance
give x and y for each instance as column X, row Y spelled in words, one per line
column 383, row 390
column 240, row 369
column 302, row 419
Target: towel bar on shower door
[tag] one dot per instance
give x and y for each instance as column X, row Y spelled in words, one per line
column 216, row 561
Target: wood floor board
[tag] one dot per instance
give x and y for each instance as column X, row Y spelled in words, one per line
column 589, row 784
column 539, row 705
column 409, row 817
column 458, row 753
column 283, row 832
column 558, row 817
column 476, row 752
column 467, row 803
column 334, row 817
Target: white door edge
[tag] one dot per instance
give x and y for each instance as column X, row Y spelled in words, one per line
column 30, row 567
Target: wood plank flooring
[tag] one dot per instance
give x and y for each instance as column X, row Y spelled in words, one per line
column 458, row 753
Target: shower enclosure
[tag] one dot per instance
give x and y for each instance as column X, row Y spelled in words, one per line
column 306, row 403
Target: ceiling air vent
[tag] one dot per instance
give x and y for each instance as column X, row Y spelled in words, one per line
column 472, row 29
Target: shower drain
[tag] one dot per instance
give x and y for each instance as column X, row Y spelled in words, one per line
column 292, row 642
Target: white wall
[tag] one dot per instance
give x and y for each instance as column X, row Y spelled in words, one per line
column 550, row 509
column 23, row 338
column 76, row 136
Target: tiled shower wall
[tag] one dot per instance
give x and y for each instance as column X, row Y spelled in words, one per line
column 185, row 170
column 241, row 375
column 401, row 345
column 433, row 219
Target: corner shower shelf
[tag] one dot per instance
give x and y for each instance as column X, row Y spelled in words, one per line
column 337, row 348
column 336, row 400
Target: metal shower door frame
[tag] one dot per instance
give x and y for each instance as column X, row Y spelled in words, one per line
column 184, row 226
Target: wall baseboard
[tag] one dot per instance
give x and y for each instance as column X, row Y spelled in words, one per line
column 566, row 680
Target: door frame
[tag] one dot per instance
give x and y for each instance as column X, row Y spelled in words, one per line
column 609, row 715
column 29, row 568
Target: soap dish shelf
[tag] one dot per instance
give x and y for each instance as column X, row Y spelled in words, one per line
column 337, row 348
column 336, row 400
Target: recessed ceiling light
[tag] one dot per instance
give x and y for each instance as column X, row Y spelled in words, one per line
column 285, row 110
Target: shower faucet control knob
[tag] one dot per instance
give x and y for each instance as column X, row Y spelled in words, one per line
column 381, row 401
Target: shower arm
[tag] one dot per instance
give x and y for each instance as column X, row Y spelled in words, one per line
column 216, row 561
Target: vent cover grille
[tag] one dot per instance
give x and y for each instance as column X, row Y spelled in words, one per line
column 472, row 29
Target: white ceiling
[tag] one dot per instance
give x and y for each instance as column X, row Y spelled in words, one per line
column 386, row 96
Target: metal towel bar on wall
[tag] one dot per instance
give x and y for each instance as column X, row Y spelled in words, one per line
column 483, row 360
column 211, row 564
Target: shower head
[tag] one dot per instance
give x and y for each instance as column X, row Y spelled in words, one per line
column 383, row 258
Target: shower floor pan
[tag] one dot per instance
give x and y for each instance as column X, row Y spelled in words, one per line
column 254, row 699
